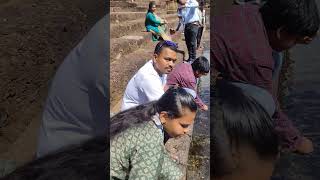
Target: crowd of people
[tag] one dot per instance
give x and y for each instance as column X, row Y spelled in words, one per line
column 248, row 128
column 191, row 14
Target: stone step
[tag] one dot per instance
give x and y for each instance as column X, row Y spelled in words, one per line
column 117, row 17
column 121, row 29
column 128, row 43
column 127, row 9
column 122, row 4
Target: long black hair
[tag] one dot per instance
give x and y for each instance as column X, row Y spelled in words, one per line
column 85, row 161
column 237, row 119
column 172, row 101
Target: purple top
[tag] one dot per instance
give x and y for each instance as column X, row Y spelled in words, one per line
column 183, row 76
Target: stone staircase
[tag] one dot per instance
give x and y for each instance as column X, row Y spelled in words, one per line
column 127, row 36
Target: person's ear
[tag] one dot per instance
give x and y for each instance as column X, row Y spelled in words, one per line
column 163, row 116
column 155, row 56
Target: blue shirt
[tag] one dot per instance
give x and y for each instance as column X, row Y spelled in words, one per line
column 189, row 12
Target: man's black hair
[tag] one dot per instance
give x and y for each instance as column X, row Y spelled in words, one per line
column 201, row 64
column 88, row 161
column 299, row 17
column 161, row 45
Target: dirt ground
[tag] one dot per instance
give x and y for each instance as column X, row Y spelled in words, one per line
column 35, row 36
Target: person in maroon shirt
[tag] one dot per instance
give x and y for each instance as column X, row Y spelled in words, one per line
column 242, row 42
column 185, row 75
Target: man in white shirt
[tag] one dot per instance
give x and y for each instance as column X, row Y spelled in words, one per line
column 148, row 83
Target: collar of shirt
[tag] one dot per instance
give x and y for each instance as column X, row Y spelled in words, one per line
column 163, row 77
column 157, row 122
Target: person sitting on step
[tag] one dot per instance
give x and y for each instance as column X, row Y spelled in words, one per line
column 155, row 24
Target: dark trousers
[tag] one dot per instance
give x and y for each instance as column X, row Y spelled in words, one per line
column 190, row 34
column 199, row 35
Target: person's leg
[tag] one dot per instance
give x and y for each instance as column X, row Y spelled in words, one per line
column 161, row 32
column 190, row 34
column 199, row 35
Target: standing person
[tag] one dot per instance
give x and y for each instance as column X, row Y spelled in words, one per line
column 180, row 23
column 155, row 24
column 185, row 75
column 148, row 83
column 191, row 22
column 202, row 15
column 244, row 39
column 137, row 135
column 77, row 104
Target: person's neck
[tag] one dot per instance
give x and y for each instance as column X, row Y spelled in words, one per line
column 157, row 70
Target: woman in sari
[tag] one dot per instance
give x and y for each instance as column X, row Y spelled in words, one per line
column 137, row 137
column 155, row 24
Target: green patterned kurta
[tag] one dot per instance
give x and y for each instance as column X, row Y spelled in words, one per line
column 139, row 154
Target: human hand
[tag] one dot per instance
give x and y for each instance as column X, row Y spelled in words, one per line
column 172, row 31
column 175, row 158
column 305, row 146
column 204, row 108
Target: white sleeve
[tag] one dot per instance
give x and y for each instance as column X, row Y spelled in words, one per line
column 152, row 90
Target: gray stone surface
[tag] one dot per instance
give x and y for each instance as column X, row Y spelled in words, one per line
column 199, row 153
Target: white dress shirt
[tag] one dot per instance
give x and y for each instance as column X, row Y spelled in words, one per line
column 145, row 86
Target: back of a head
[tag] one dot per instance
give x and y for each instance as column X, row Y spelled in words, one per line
column 201, row 64
column 238, row 120
column 299, row 17
column 80, row 162
column 174, row 100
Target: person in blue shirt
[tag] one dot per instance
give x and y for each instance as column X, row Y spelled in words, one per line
column 191, row 21
column 155, row 24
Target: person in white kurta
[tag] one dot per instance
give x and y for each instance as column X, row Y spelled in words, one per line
column 148, row 83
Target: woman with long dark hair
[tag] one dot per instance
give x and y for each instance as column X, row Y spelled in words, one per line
column 136, row 135
column 155, row 24
column 243, row 142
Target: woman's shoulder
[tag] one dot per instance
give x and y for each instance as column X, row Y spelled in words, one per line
column 150, row 14
column 143, row 132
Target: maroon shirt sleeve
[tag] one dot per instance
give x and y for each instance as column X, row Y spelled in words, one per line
column 183, row 76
